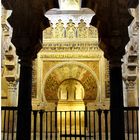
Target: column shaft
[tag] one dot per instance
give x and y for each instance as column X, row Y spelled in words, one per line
column 116, row 103
column 24, row 103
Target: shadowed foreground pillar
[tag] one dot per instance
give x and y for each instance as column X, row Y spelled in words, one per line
column 28, row 22
column 112, row 20
column 24, row 101
column 116, row 101
column 25, row 89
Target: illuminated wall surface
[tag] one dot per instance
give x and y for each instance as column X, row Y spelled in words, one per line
column 72, row 70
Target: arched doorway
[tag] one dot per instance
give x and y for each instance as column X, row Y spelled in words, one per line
column 71, row 106
column 70, row 95
column 71, row 75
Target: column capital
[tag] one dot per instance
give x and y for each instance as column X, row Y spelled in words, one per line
column 27, row 62
column 28, row 22
column 113, row 41
column 113, row 52
column 115, row 63
column 12, row 83
column 130, row 84
column 26, row 49
column 112, row 20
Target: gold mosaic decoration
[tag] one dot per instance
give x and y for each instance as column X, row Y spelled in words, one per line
column 70, row 71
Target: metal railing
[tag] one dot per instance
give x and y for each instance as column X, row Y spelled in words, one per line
column 8, row 123
column 70, row 124
column 131, row 118
column 64, row 125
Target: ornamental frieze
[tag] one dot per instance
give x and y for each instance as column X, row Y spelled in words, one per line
column 70, row 49
column 73, row 56
column 70, row 44
column 73, row 45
